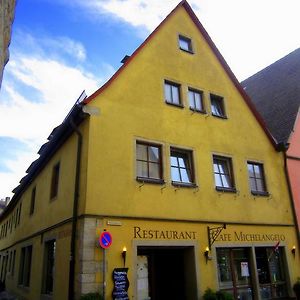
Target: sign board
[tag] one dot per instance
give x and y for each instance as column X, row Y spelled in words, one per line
column 105, row 239
column 121, row 284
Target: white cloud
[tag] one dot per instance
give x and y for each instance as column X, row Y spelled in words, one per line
column 249, row 34
column 10, row 180
column 67, row 45
column 52, row 87
column 58, row 85
column 59, row 45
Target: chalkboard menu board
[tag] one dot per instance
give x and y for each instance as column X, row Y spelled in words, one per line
column 121, row 284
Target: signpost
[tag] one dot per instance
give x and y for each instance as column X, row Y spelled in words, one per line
column 105, row 240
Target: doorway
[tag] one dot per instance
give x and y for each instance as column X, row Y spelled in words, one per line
column 166, row 273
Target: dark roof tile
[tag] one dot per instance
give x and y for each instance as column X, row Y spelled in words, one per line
column 275, row 91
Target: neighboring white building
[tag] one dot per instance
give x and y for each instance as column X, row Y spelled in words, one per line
column 7, row 12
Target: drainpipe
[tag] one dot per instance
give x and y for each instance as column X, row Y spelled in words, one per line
column 292, row 200
column 75, row 214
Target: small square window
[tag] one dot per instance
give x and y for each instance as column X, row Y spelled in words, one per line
column 257, row 178
column 148, row 162
column 54, row 181
column 172, row 93
column 185, row 43
column 32, row 203
column 196, row 100
column 182, row 172
column 223, row 173
column 217, row 106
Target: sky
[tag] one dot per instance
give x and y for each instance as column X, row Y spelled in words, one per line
column 61, row 47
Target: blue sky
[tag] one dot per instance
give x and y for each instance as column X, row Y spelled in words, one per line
column 60, row 48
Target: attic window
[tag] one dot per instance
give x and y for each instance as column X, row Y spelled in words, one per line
column 185, row 43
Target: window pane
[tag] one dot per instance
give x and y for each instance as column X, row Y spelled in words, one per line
column 168, row 97
column 218, row 180
column 217, row 106
column 175, row 95
column 175, row 174
column 174, row 161
column 252, row 184
column 250, row 170
column 223, row 167
column 216, row 168
column 142, row 169
column 183, row 161
column 184, row 43
column 226, row 181
column 224, row 268
column 154, row 170
column 260, row 186
column 153, row 154
column 257, row 171
column 191, row 99
column 185, row 177
column 141, row 152
column 198, row 101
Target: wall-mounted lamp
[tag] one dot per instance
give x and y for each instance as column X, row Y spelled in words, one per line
column 206, row 254
column 294, row 250
column 124, row 255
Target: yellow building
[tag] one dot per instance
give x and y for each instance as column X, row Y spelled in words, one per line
column 176, row 177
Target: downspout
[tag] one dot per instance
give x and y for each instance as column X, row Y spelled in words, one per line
column 292, row 200
column 75, row 214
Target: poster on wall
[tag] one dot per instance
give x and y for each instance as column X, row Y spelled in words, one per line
column 245, row 269
column 121, row 284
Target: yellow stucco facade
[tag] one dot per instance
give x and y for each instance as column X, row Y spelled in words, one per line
column 163, row 225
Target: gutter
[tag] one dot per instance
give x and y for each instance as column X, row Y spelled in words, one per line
column 75, row 213
column 297, row 228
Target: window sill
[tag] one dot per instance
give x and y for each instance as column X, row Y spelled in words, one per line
column 198, row 110
column 174, row 104
column 220, row 117
column 187, row 51
column 53, row 198
column 184, row 184
column 24, row 287
column 258, row 193
column 226, row 190
column 46, row 296
column 150, row 180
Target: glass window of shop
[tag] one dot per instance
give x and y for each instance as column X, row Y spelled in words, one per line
column 270, row 270
column 235, row 272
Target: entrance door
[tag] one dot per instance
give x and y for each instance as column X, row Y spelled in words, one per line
column 234, row 272
column 166, row 273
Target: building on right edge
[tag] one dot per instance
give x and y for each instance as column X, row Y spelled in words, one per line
column 275, row 91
